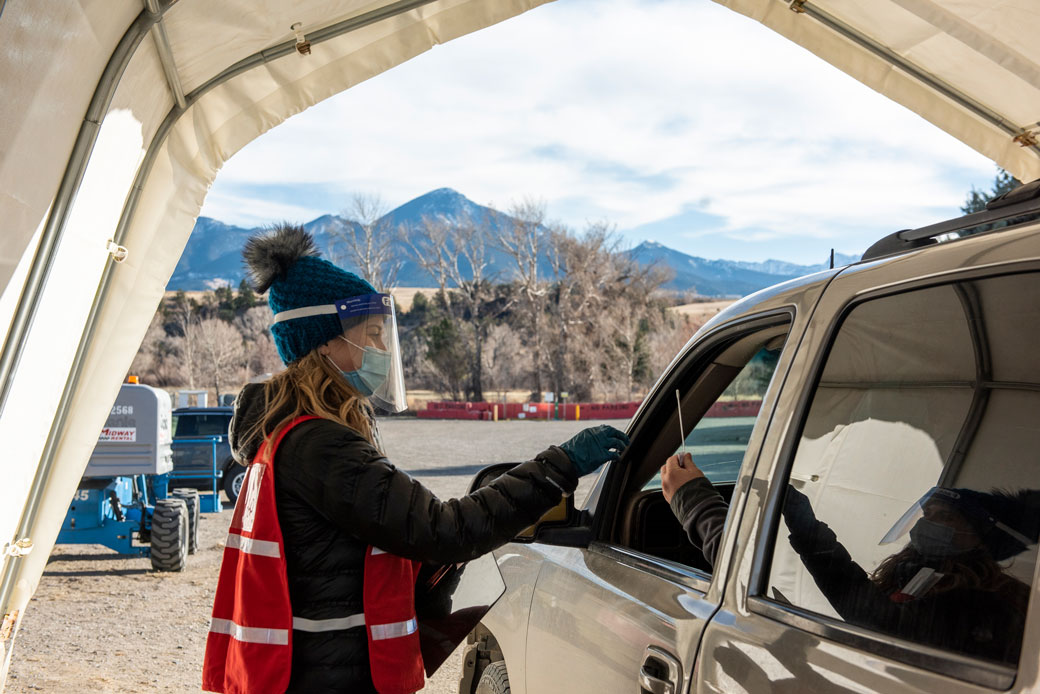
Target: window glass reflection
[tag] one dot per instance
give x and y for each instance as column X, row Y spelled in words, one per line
column 912, row 506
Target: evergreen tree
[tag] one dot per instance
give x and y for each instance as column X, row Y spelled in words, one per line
column 977, row 199
column 246, row 298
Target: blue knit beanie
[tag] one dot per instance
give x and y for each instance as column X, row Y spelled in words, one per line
column 284, row 263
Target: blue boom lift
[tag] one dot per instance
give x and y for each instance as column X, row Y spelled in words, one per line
column 124, row 494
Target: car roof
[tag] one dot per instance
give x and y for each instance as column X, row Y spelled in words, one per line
column 204, row 410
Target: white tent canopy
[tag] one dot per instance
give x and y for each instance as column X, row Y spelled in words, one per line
column 116, row 115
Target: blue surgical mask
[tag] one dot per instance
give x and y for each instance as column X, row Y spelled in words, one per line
column 935, row 539
column 375, row 367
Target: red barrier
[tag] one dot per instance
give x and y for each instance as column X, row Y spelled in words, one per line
column 735, row 408
column 449, row 414
column 448, row 409
column 448, row 405
column 529, row 410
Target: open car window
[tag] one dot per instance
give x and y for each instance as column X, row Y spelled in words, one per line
column 717, row 441
column 721, row 389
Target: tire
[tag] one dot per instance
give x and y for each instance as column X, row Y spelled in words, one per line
column 494, row 679
column 234, row 476
column 191, row 500
column 169, row 535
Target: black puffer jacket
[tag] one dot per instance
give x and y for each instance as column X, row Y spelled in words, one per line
column 337, row 494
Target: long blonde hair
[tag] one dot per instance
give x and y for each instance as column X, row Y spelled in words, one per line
column 311, row 386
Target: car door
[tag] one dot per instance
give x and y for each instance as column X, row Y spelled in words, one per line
column 625, row 613
column 889, row 541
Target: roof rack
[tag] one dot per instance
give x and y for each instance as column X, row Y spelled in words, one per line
column 1023, row 200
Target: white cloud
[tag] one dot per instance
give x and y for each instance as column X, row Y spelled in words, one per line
column 630, row 111
column 255, row 211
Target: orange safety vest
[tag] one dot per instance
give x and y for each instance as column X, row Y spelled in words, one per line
column 249, row 647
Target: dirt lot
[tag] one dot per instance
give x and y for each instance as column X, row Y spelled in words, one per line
column 102, row 623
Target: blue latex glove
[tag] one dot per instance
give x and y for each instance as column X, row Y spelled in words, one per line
column 592, row 447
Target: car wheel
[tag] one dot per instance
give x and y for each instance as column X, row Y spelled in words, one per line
column 234, row 477
column 494, row 679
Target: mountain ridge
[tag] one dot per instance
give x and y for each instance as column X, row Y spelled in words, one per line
column 212, row 256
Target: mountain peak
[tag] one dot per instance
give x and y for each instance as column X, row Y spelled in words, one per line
column 441, row 197
column 444, row 192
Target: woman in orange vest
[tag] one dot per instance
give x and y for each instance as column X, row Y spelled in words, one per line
column 316, row 587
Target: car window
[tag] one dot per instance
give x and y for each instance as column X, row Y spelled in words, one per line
column 913, row 502
column 211, row 424
column 718, row 441
column 721, row 386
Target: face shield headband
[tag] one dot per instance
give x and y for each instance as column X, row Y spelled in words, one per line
column 369, row 323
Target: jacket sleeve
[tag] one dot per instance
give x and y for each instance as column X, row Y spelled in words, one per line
column 702, row 512
column 842, row 581
column 349, row 482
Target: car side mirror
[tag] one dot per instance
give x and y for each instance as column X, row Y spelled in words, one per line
column 555, row 525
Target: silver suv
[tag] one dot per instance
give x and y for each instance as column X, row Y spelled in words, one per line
column 867, row 401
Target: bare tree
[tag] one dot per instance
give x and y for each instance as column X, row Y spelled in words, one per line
column 455, row 254
column 368, row 241
column 261, row 355
column 601, row 312
column 187, row 321
column 431, row 244
column 504, row 359
column 522, row 242
column 220, row 350
column 156, row 361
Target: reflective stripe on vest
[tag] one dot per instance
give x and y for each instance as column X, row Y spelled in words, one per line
column 334, row 624
column 264, row 548
column 278, row 637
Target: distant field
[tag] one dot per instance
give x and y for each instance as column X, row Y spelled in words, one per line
column 702, row 312
column 403, row 296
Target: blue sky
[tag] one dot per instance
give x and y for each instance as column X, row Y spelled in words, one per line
column 678, row 121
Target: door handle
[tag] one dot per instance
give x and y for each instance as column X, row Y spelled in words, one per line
column 661, row 672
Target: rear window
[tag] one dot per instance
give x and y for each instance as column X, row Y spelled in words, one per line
column 913, row 507
column 210, row 424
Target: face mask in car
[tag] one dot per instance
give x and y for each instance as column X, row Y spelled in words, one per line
column 936, row 540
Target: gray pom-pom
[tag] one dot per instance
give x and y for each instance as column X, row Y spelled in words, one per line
column 269, row 255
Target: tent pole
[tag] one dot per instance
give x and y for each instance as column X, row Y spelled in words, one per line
column 43, row 261
column 162, row 46
column 142, row 25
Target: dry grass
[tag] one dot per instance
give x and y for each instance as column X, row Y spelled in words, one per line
column 701, row 312
column 403, row 296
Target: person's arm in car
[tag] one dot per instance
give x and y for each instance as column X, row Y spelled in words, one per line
column 700, row 509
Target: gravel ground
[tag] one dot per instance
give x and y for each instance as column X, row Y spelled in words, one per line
column 104, row 623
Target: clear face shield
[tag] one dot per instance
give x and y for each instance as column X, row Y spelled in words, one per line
column 945, row 523
column 370, row 327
